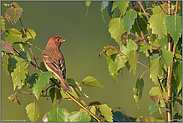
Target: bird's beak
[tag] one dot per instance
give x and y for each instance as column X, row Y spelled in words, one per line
column 63, row 40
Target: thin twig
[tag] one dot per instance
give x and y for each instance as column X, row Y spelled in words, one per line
column 3, row 31
column 144, row 73
column 168, row 8
column 161, row 7
column 26, row 60
column 27, row 41
column 143, row 10
column 161, row 113
column 82, row 97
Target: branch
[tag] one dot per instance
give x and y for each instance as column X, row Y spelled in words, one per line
column 72, row 98
column 169, row 77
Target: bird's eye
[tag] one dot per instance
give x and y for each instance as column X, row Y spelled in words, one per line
column 58, row 39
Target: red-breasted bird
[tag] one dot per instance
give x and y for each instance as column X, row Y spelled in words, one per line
column 54, row 61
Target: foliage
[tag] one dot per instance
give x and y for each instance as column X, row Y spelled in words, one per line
column 153, row 33
column 137, row 30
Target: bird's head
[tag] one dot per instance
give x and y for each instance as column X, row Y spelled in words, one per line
column 55, row 41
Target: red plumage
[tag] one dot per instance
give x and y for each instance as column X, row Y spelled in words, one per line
column 54, row 61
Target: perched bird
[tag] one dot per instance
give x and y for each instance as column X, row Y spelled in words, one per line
column 54, row 61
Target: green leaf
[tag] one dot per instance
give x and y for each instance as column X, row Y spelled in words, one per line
column 14, row 32
column 18, row 77
column 155, row 69
column 32, row 111
column 106, row 112
column 163, row 42
column 103, row 5
column 12, row 64
column 150, row 36
column 111, row 9
column 173, row 24
column 177, row 70
column 30, row 33
column 153, row 108
column 58, row 115
column 91, row 81
column 42, row 66
column 116, row 29
column 11, row 39
column 2, row 23
column 144, row 48
column 138, row 90
column 14, row 13
column 156, row 22
column 54, row 94
column 155, row 56
column 118, row 116
column 32, row 79
column 79, row 116
column 88, row 6
column 167, row 56
column 133, row 58
column 128, row 19
column 120, row 62
column 123, row 49
column 155, row 91
column 88, row 3
column 131, row 45
column 122, row 5
column 41, row 82
column 112, row 66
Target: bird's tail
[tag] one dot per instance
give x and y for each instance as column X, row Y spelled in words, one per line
column 65, row 85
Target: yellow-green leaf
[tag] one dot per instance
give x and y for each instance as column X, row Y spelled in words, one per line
column 18, row 77
column 91, row 81
column 133, row 58
column 2, row 23
column 116, row 29
column 138, row 90
column 32, row 111
column 155, row 69
column 106, row 112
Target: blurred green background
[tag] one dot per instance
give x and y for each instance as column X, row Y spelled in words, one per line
column 85, row 38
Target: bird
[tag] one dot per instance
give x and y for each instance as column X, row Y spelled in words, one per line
column 54, row 61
